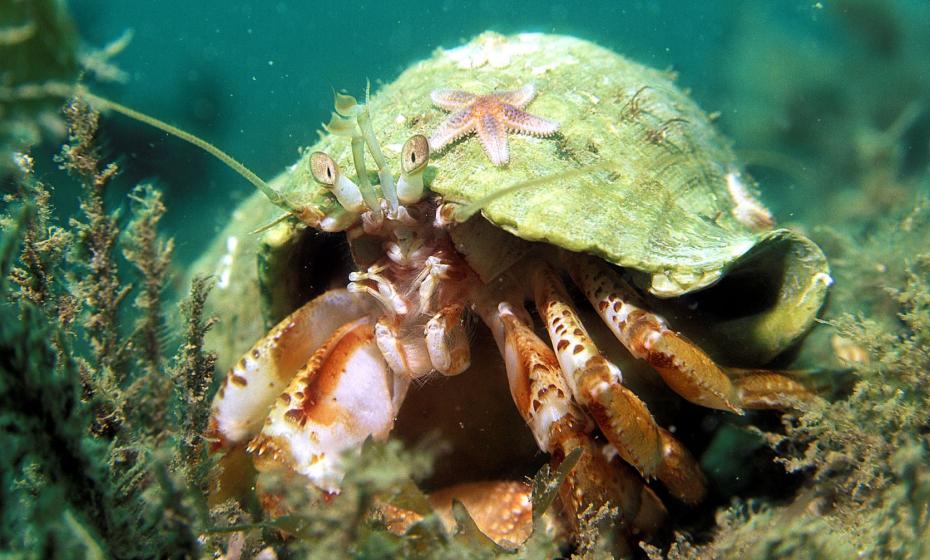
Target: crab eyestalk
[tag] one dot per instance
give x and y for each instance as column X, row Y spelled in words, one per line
column 341, row 124
column 326, row 172
column 413, row 160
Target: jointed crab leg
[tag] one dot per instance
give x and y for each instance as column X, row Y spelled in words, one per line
column 685, row 368
column 252, row 385
column 502, row 510
column 764, row 389
column 597, row 385
column 543, row 399
column 447, row 341
column 536, row 383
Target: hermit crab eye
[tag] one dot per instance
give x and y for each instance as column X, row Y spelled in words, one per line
column 323, row 169
column 415, row 154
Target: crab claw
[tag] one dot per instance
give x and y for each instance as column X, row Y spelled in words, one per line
column 251, row 386
column 345, row 394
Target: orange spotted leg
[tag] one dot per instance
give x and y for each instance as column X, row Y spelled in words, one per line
column 685, row 368
column 559, row 426
column 597, row 385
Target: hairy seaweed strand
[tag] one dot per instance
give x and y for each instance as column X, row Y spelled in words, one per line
column 43, row 247
column 193, row 373
column 151, row 256
column 150, row 386
column 98, row 285
column 42, row 426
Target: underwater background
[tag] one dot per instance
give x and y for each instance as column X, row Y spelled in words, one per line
column 827, row 103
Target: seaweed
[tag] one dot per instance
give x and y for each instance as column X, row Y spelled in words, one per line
column 353, row 524
column 101, row 430
column 38, row 45
column 865, row 452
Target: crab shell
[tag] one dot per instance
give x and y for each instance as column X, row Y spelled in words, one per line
column 671, row 204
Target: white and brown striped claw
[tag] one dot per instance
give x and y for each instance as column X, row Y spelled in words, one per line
column 345, row 394
column 252, row 385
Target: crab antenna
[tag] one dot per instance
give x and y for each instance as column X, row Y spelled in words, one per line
column 364, row 185
column 273, row 195
column 463, row 213
column 384, row 174
column 347, row 107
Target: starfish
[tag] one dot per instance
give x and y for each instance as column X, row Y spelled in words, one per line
column 492, row 116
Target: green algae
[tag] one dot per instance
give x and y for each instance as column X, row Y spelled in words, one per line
column 38, row 45
column 101, row 432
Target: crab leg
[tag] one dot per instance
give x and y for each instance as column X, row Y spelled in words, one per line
column 251, row 386
column 559, row 426
column 447, row 341
column 345, row 394
column 685, row 368
column 404, row 348
column 761, row 389
column 597, row 385
column 502, row 510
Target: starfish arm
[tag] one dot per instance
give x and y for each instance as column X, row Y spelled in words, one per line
column 456, row 126
column 452, row 99
column 525, row 123
column 493, row 138
column 519, row 98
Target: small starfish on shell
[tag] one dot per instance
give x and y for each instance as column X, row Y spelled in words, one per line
column 492, row 116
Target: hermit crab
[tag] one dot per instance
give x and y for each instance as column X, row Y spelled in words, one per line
column 518, row 180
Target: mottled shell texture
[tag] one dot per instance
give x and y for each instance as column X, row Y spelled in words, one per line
column 661, row 206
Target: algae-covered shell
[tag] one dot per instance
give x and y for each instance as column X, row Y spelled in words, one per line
column 664, row 206
column 670, row 204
